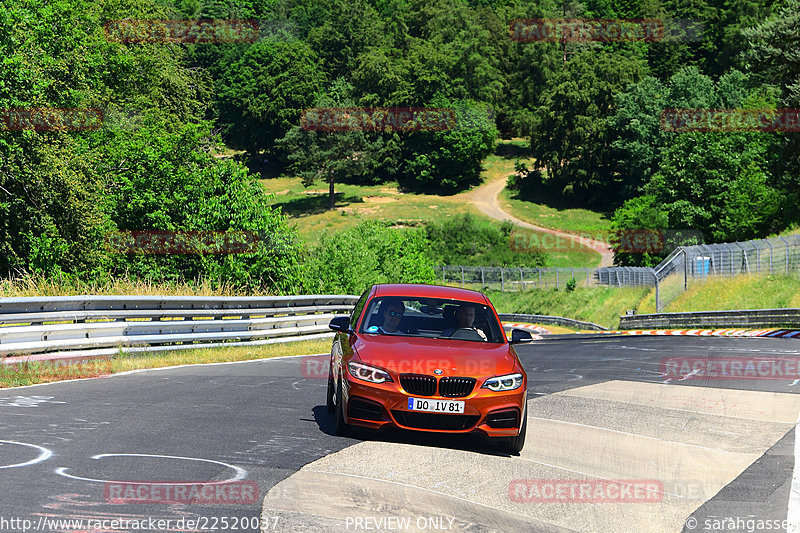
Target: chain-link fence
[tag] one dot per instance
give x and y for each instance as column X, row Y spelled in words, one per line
column 670, row 278
column 516, row 279
column 778, row 255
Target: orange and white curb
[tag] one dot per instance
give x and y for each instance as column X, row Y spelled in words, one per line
column 782, row 333
column 536, row 331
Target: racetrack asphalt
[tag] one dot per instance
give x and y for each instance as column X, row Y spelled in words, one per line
column 599, row 408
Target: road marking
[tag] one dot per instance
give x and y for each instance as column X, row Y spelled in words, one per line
column 241, row 473
column 43, row 455
column 140, row 370
column 793, row 512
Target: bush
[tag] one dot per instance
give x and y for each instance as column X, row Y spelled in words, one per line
column 465, row 240
column 349, row 261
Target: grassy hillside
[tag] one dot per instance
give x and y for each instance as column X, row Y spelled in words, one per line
column 307, row 207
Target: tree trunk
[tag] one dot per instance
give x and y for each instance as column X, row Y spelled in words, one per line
column 331, row 197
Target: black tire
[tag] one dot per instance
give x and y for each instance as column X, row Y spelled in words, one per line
column 341, row 429
column 331, row 391
column 515, row 444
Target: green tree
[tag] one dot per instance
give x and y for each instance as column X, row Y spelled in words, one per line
column 449, row 160
column 331, row 156
column 263, row 93
column 570, row 136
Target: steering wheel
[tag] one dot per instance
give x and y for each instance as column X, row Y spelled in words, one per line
column 467, row 334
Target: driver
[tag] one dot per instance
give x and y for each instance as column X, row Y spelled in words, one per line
column 465, row 317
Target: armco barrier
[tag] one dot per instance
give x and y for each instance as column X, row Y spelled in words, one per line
column 547, row 319
column 102, row 325
column 740, row 318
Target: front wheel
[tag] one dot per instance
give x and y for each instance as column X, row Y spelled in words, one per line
column 515, row 444
column 331, row 405
column 342, row 428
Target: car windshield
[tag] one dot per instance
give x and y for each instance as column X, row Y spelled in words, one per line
column 432, row 318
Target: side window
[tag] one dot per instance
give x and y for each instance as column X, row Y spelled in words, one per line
column 358, row 308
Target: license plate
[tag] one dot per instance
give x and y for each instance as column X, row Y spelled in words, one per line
column 435, row 406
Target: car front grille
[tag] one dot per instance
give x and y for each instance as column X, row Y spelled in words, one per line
column 435, row 420
column 418, row 384
column 456, row 387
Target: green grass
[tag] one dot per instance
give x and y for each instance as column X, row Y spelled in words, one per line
column 590, row 224
column 601, row 305
column 742, row 292
column 307, row 207
column 44, row 372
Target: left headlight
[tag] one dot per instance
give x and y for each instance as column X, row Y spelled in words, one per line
column 368, row 373
column 503, row 383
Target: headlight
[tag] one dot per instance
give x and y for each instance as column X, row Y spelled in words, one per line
column 368, row 373
column 503, row 383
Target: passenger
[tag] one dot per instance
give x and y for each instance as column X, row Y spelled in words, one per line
column 392, row 314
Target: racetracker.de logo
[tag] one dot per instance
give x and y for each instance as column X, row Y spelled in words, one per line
column 705, row 120
column 604, row 30
column 704, row 368
column 51, row 119
column 182, row 31
column 318, row 366
column 585, row 490
column 188, row 492
column 182, row 242
column 402, row 119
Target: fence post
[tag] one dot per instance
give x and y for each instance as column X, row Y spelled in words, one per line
column 483, row 283
column 556, row 277
column 502, row 281
column 521, row 280
column 462, row 276
column 685, row 270
column 587, row 276
column 770, row 255
column 444, row 277
column 787, row 252
column 539, row 270
column 658, row 295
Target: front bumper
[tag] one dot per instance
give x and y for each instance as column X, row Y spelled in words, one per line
column 378, row 406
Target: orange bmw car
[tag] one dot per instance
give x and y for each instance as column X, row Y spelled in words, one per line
column 427, row 358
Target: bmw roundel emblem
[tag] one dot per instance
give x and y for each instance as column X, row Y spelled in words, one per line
column 437, row 371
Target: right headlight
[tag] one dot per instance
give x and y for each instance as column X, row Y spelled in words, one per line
column 503, row 383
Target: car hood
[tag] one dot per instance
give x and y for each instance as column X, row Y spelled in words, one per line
column 414, row 355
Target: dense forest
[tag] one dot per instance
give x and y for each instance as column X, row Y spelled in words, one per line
column 591, row 110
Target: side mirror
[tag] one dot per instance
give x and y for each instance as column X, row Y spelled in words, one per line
column 520, row 335
column 340, row 323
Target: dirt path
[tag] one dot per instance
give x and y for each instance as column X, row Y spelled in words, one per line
column 487, row 199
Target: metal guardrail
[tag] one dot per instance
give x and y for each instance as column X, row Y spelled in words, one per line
column 101, row 325
column 740, row 319
column 548, row 319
